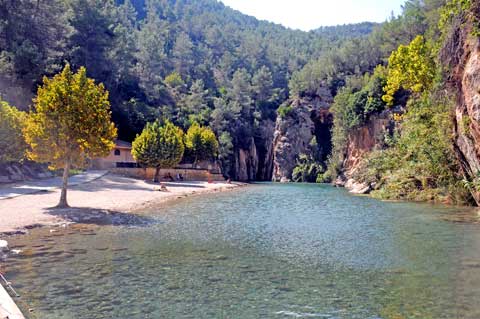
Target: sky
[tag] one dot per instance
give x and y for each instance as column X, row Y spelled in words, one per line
column 311, row 14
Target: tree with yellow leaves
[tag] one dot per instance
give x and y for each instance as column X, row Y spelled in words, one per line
column 70, row 122
column 12, row 142
column 201, row 143
column 411, row 67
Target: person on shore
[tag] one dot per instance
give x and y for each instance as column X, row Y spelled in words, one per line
column 169, row 177
column 163, row 188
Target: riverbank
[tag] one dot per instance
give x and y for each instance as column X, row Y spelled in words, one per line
column 108, row 196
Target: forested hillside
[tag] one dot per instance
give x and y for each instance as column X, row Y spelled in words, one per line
column 408, row 130
column 365, row 104
column 186, row 60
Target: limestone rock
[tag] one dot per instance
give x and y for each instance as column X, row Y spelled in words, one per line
column 364, row 139
column 466, row 83
column 360, row 142
column 357, row 188
column 255, row 161
column 310, row 117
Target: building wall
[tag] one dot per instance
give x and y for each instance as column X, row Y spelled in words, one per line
column 213, row 167
column 124, row 157
column 111, row 160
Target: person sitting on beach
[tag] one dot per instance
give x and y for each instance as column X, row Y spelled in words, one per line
column 179, row 177
column 169, row 177
column 163, row 188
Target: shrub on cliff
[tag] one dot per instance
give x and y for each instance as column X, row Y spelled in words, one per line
column 352, row 107
column 420, row 163
column 284, row 111
column 307, row 170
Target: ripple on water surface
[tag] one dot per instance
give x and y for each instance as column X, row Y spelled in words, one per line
column 265, row 251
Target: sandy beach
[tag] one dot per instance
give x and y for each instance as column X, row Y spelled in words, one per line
column 110, row 195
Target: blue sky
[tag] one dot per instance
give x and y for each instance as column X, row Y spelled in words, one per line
column 311, row 14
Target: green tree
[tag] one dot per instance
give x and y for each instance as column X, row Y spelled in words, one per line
column 225, row 154
column 70, row 122
column 262, row 84
column 159, row 146
column 201, row 143
column 12, row 142
column 194, row 106
column 92, row 38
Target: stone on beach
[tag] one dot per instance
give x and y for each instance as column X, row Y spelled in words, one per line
column 3, row 245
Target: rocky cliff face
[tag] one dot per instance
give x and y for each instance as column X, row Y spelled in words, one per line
column 254, row 163
column 466, row 82
column 308, row 118
column 360, row 142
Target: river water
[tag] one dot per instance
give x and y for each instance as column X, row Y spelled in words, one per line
column 264, row 251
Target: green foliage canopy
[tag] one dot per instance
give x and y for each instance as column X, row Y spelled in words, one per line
column 12, row 143
column 159, row 146
column 410, row 67
column 201, row 142
column 70, row 123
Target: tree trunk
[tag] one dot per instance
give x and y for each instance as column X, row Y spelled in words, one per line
column 157, row 171
column 63, row 196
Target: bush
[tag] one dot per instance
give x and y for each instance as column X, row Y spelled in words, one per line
column 420, row 165
column 12, row 142
column 284, row 111
column 307, row 170
column 352, row 107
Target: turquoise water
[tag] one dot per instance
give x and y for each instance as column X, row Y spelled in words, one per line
column 264, row 251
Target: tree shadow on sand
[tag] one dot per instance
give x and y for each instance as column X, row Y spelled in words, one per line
column 101, row 217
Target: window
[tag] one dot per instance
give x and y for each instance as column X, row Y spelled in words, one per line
column 117, row 152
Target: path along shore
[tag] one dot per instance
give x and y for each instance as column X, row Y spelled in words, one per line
column 109, row 193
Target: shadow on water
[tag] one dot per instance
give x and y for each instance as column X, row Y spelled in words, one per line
column 101, row 217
